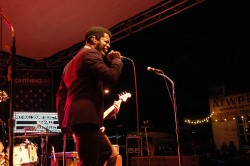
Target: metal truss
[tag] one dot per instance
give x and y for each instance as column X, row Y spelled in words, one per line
column 150, row 17
column 157, row 13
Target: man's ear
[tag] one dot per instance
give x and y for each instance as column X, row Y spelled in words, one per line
column 93, row 39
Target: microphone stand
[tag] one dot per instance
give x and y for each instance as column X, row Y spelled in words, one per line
column 44, row 143
column 136, row 96
column 11, row 75
column 176, row 118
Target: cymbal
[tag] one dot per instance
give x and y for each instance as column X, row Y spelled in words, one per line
column 35, row 135
column 25, row 136
column 41, row 134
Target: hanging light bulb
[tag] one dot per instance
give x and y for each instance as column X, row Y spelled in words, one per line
column 3, row 95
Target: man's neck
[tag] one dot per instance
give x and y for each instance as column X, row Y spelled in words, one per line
column 88, row 46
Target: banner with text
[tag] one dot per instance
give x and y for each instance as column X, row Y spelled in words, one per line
column 33, row 90
column 225, row 110
column 228, row 107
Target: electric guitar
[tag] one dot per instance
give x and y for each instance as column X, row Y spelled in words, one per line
column 122, row 97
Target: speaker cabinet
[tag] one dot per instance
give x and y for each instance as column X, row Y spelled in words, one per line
column 165, row 161
column 70, row 157
column 133, row 148
column 69, row 162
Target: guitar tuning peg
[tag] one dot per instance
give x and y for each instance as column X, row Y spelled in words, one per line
column 121, row 94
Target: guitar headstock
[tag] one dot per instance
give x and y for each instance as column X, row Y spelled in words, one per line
column 124, row 96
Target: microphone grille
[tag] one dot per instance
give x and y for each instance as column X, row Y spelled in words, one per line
column 148, row 68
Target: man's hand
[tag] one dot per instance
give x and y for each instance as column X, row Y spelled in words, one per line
column 102, row 128
column 117, row 105
column 112, row 55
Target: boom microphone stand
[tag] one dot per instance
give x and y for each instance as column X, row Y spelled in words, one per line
column 161, row 73
column 176, row 118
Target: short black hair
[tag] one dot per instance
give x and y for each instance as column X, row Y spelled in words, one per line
column 98, row 32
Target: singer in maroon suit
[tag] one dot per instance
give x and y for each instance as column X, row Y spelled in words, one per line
column 79, row 99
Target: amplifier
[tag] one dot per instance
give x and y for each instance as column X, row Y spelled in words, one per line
column 71, row 159
column 116, row 148
column 165, row 161
column 133, row 148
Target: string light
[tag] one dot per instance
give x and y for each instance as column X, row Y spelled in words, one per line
column 207, row 119
column 227, row 119
column 198, row 121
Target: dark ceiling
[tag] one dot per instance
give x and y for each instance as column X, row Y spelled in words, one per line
column 202, row 50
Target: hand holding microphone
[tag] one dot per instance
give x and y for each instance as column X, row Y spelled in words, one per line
column 116, row 54
column 113, row 54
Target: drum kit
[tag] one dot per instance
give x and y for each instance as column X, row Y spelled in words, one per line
column 26, row 152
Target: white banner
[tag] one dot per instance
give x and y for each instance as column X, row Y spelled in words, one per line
column 225, row 110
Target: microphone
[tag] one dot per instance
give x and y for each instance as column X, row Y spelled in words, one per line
column 154, row 69
column 125, row 58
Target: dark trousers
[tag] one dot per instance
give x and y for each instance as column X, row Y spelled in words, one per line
column 94, row 148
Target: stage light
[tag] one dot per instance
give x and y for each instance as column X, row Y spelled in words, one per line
column 3, row 96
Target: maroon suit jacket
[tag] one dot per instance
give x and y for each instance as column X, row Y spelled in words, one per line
column 79, row 98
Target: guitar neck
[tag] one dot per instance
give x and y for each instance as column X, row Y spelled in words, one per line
column 109, row 110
